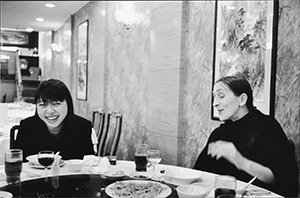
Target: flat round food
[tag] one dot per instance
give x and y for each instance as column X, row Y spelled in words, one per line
column 137, row 189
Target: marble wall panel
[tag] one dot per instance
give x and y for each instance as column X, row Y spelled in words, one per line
column 287, row 95
column 95, row 13
column 198, row 85
column 142, row 71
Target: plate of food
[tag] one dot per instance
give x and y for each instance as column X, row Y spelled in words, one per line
column 139, row 175
column 114, row 174
column 137, row 188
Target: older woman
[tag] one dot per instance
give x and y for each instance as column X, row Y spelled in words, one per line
column 248, row 143
column 55, row 126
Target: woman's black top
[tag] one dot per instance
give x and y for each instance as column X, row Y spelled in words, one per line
column 73, row 141
column 261, row 139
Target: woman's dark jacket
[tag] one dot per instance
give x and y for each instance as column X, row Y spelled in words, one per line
column 73, row 142
column 261, row 139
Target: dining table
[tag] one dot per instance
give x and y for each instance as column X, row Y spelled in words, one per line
column 90, row 181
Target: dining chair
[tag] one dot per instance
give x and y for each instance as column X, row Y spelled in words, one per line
column 12, row 135
column 113, row 133
column 4, row 98
column 98, row 122
column 292, row 147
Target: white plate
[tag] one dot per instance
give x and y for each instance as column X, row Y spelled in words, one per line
column 34, row 159
column 32, row 165
column 110, row 192
column 139, row 175
column 5, row 194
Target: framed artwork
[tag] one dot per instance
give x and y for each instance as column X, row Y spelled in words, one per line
column 245, row 44
column 19, row 38
column 14, row 38
column 82, row 61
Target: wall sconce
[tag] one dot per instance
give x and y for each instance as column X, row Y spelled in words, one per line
column 127, row 15
column 122, row 18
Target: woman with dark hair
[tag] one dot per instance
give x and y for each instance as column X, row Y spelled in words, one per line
column 248, row 143
column 55, row 126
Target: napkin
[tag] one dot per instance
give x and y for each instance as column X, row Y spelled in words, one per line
column 92, row 159
column 103, row 165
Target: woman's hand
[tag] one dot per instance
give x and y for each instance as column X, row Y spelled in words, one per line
column 226, row 150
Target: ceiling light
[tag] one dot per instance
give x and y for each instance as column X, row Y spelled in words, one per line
column 49, row 5
column 39, row 19
column 29, row 29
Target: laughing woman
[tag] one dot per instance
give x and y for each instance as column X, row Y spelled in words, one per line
column 248, row 143
column 55, row 126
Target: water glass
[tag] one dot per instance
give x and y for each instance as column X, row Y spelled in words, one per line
column 154, row 157
column 225, row 186
column 140, row 157
column 13, row 159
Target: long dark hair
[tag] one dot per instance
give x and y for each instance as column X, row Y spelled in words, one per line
column 239, row 85
column 53, row 90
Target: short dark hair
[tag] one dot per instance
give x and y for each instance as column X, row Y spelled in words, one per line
column 53, row 90
column 239, row 85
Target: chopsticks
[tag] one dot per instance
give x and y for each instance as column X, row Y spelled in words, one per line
column 250, row 182
column 242, row 191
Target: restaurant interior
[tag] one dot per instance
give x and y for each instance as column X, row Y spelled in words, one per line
column 154, row 63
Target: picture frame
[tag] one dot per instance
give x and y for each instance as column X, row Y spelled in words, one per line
column 18, row 38
column 82, row 61
column 14, row 38
column 245, row 44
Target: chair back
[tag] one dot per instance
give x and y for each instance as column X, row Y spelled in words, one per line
column 292, row 148
column 12, row 135
column 98, row 122
column 4, row 98
column 114, row 128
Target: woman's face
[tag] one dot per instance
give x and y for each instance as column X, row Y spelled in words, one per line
column 53, row 114
column 226, row 103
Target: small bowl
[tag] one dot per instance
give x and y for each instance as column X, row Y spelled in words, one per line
column 114, row 175
column 75, row 165
column 191, row 191
column 181, row 176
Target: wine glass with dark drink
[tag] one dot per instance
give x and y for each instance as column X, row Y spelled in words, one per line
column 46, row 158
column 225, row 186
column 140, row 157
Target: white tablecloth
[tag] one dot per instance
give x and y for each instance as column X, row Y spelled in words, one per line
column 126, row 166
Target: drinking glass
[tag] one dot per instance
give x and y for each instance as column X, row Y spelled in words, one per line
column 140, row 157
column 225, row 186
column 154, row 157
column 13, row 165
column 46, row 159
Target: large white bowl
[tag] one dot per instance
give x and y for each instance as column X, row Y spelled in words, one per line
column 191, row 191
column 181, row 176
column 75, row 165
